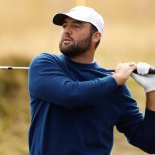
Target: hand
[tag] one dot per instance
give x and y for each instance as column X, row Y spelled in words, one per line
column 143, row 68
column 123, row 71
column 145, row 80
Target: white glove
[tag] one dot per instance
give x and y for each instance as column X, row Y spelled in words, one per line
column 143, row 68
column 147, row 81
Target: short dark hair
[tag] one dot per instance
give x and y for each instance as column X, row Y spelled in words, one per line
column 93, row 29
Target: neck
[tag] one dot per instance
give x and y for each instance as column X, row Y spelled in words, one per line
column 84, row 59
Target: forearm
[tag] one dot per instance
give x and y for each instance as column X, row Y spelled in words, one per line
column 72, row 94
column 150, row 100
column 138, row 129
column 88, row 92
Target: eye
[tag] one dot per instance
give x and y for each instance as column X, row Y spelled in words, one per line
column 64, row 25
column 76, row 25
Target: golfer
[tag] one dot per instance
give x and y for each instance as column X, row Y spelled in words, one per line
column 75, row 103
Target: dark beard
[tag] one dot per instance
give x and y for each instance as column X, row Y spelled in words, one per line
column 77, row 49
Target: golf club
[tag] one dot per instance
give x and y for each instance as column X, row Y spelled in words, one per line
column 151, row 71
column 13, row 67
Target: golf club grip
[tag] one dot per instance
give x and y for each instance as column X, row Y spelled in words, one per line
column 151, row 71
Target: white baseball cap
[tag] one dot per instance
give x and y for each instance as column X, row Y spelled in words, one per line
column 81, row 13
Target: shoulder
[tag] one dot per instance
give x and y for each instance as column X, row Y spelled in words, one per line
column 45, row 64
column 45, row 57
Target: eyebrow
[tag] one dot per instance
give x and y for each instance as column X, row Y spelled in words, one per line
column 78, row 22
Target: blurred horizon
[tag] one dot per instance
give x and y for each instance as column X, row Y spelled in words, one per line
column 26, row 30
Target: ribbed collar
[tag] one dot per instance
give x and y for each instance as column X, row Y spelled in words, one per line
column 80, row 65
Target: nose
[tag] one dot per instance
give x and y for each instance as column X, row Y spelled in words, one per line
column 67, row 29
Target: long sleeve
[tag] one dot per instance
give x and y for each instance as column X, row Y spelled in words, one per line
column 138, row 129
column 48, row 81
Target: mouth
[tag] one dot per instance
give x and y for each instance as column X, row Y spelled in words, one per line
column 67, row 40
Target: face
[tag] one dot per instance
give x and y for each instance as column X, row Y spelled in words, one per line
column 76, row 38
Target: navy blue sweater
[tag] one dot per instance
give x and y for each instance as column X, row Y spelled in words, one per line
column 74, row 108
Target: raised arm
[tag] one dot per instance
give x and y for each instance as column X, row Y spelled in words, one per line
column 138, row 129
column 48, row 81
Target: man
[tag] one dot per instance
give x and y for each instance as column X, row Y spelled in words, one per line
column 75, row 103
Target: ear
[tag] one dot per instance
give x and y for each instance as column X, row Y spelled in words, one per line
column 96, row 37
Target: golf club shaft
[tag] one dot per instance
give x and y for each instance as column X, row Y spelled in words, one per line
column 151, row 71
column 13, row 67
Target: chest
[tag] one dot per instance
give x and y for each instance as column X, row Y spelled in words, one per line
column 95, row 116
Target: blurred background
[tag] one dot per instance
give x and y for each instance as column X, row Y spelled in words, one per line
column 26, row 30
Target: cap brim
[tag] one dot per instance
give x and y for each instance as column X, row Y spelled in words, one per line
column 59, row 18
